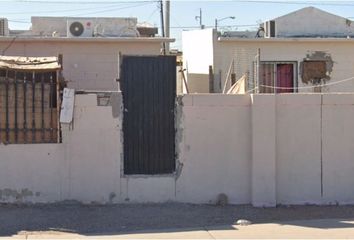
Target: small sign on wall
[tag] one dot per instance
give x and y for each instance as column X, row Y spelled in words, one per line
column 67, row 106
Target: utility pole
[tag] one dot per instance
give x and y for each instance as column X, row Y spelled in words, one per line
column 162, row 28
column 167, row 25
column 200, row 18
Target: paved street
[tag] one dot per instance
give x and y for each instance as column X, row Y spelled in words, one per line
column 173, row 220
column 324, row 228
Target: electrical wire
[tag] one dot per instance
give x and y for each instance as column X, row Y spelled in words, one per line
column 321, row 3
column 8, row 46
column 328, row 3
column 112, row 9
column 105, row 10
column 309, row 87
column 18, row 21
column 152, row 14
column 240, row 25
column 55, row 11
column 74, row 2
column 303, row 87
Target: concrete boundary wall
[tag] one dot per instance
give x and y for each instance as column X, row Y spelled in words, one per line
column 257, row 149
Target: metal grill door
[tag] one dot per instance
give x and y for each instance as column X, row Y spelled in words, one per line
column 148, row 85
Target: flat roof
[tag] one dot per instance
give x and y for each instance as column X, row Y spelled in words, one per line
column 255, row 40
column 85, row 39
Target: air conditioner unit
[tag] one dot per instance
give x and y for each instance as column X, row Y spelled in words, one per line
column 79, row 28
column 269, row 29
column 4, row 27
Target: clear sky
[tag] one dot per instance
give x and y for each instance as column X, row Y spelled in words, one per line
column 247, row 13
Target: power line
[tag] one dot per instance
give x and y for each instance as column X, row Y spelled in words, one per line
column 246, row 25
column 322, row 3
column 8, row 46
column 18, row 21
column 105, row 9
column 308, row 87
column 152, row 14
column 55, row 11
column 101, row 11
column 113, row 9
column 74, row 2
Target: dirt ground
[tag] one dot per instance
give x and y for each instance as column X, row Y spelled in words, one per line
column 96, row 219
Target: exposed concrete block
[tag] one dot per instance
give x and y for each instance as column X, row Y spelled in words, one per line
column 116, row 100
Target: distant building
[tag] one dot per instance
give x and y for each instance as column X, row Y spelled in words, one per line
column 304, row 51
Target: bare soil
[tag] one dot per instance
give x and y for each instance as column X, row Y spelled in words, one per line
column 99, row 219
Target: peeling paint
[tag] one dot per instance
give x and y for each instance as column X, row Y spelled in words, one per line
column 112, row 195
column 318, row 76
column 179, row 135
column 121, row 137
column 179, row 167
column 116, row 103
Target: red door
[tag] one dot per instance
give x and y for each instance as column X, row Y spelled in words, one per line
column 285, row 78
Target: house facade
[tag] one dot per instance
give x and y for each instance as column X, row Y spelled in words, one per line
column 309, row 57
column 90, row 62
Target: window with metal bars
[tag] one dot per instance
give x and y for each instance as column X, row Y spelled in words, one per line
column 29, row 110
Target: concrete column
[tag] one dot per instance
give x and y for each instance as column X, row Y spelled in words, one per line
column 263, row 150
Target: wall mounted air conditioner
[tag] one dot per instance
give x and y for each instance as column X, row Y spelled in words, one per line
column 4, row 27
column 79, row 28
column 269, row 29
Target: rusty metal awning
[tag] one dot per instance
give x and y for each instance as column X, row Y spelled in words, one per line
column 29, row 63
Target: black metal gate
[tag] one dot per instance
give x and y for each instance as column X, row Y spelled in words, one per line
column 148, row 84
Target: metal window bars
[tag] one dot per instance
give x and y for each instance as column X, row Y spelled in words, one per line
column 29, row 108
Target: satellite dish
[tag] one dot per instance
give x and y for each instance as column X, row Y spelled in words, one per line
column 76, row 29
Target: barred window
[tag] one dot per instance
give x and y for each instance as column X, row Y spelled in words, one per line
column 29, row 106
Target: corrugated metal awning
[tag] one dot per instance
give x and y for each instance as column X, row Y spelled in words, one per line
column 29, row 63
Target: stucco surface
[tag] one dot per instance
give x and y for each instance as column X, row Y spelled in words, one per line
column 259, row 149
column 86, row 65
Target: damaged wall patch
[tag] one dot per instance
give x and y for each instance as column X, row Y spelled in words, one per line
column 316, row 68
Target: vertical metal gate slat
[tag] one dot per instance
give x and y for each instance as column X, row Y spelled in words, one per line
column 7, row 108
column 33, row 107
column 16, row 106
column 148, row 84
column 25, row 109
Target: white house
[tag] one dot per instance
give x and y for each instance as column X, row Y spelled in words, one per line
column 304, row 51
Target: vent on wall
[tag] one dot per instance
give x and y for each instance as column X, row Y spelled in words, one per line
column 4, row 27
column 269, row 29
column 80, row 28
